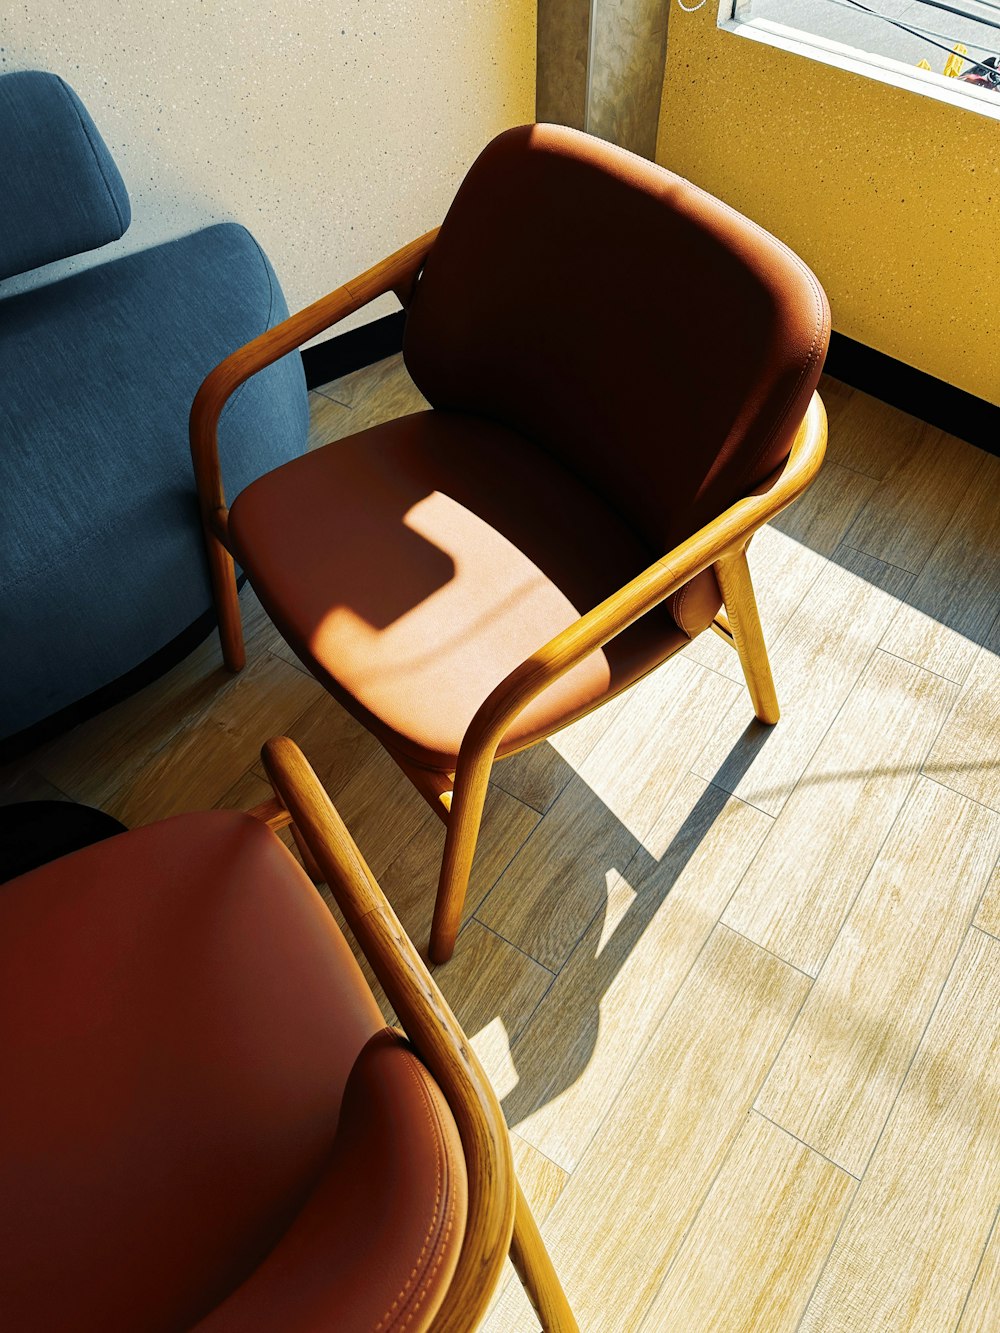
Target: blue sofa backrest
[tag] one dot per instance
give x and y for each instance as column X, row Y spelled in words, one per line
column 62, row 193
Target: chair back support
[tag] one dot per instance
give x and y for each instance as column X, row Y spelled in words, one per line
column 660, row 345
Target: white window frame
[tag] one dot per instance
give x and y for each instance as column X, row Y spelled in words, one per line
column 868, row 64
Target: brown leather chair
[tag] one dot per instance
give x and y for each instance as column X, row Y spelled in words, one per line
column 205, row 1122
column 620, row 366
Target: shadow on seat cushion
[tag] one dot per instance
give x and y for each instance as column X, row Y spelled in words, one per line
column 101, row 554
column 390, row 562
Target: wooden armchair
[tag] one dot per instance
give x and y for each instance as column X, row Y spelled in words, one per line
column 619, row 366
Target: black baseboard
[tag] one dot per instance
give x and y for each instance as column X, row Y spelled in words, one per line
column 932, row 400
column 353, row 350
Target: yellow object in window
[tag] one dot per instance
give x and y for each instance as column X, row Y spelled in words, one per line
column 953, row 65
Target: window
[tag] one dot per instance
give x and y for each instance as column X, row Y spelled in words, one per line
column 949, row 49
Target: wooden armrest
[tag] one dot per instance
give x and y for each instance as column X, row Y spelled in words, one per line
column 427, row 1021
column 723, row 536
column 397, row 274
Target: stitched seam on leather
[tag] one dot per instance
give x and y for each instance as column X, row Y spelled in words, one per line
column 433, row 1226
column 678, row 608
column 817, row 294
column 814, row 287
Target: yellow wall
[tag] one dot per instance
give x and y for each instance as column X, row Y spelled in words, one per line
column 891, row 197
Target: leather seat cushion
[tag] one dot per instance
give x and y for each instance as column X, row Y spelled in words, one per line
column 179, row 1017
column 414, row 565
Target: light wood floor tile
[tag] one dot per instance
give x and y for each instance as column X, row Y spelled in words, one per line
column 94, row 757
column 840, row 1070
column 582, row 1044
column 952, row 605
column 967, row 753
column 382, row 810
column 628, row 1204
column 101, row 756
column 374, row 394
column 802, row 883
column 757, row 1247
column 489, row 979
column 909, row 512
column 536, row 776
column 247, row 791
column 559, row 881
column 836, row 395
column 821, row 517
column 328, row 421
column 871, row 436
column 816, row 662
column 410, row 881
column 910, row 1246
column 988, row 916
column 337, row 746
column 982, row 1310
column 787, row 557
column 542, row 1182
column 158, row 766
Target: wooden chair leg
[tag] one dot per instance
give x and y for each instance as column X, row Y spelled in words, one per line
column 538, row 1277
column 464, row 820
column 227, row 603
column 733, row 574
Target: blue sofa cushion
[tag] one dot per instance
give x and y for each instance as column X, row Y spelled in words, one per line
column 101, row 553
column 62, row 193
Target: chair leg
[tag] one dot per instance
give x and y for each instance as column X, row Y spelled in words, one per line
column 538, row 1277
column 733, row 574
column 468, row 799
column 227, row 603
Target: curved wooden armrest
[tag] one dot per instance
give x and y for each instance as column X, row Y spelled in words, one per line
column 427, row 1021
column 723, row 536
column 396, row 274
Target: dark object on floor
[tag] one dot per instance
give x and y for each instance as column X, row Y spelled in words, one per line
column 32, row 833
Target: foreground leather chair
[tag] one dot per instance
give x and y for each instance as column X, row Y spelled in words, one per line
column 205, row 1122
column 620, row 366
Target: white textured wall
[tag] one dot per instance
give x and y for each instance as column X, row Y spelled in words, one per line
column 334, row 129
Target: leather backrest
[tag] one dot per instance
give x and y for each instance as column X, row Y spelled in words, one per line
column 657, row 343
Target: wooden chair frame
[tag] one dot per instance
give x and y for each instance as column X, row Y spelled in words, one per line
column 722, row 543
column 499, row 1220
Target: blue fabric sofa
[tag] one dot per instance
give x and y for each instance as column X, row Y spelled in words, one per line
column 102, row 565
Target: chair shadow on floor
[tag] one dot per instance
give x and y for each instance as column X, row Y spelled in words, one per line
column 588, row 924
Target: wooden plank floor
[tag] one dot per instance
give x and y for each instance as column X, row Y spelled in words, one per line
column 739, row 989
